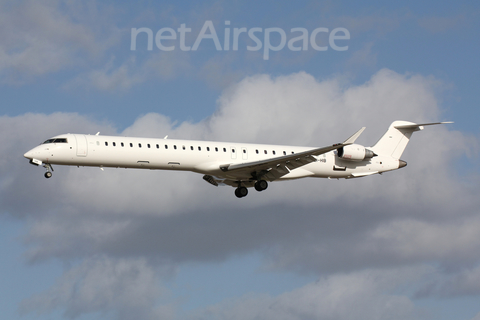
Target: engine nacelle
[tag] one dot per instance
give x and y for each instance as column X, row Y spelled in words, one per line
column 355, row 152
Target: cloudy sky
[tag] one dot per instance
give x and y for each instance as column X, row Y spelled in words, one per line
column 131, row 244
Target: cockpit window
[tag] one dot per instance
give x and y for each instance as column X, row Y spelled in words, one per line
column 57, row 140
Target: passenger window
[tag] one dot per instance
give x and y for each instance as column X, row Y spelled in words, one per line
column 284, row 153
column 158, row 147
column 216, row 149
column 191, row 147
column 121, row 143
column 244, row 151
column 208, row 148
column 265, row 151
column 273, row 152
column 148, row 145
column 199, row 148
column 114, row 144
column 183, row 147
column 224, row 149
column 256, row 151
column 139, row 145
column 233, row 150
column 106, row 143
column 131, row 145
column 175, row 146
column 166, row 146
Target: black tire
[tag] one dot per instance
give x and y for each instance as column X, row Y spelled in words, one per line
column 241, row 192
column 261, row 185
column 48, row 175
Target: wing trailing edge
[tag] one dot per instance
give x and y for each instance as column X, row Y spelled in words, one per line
column 274, row 168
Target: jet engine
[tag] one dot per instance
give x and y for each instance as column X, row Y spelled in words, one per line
column 355, row 152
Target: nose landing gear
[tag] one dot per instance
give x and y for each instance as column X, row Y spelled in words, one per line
column 49, row 168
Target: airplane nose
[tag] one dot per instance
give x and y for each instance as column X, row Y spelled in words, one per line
column 28, row 155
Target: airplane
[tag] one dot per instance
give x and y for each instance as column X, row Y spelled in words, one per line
column 239, row 165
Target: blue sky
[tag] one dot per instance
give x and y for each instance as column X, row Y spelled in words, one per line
column 123, row 244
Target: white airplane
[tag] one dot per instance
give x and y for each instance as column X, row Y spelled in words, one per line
column 239, row 165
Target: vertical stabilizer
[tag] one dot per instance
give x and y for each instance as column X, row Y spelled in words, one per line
column 395, row 140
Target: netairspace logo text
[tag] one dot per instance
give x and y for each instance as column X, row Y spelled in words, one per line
column 168, row 39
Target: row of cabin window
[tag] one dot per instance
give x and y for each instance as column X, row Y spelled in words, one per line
column 192, row 148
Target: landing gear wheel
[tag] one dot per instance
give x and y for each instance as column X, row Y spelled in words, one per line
column 241, row 192
column 49, row 168
column 261, row 185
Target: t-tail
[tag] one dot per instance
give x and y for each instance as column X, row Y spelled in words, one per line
column 395, row 140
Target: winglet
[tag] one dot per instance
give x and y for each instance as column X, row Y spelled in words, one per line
column 354, row 136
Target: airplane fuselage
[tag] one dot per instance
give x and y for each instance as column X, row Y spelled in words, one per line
column 205, row 157
column 240, row 165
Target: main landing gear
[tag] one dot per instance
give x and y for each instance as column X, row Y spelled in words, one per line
column 261, row 185
column 49, row 168
column 242, row 191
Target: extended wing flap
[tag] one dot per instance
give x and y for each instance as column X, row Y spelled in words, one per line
column 282, row 170
column 300, row 162
column 276, row 173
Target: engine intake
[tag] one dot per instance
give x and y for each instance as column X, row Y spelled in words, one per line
column 355, row 152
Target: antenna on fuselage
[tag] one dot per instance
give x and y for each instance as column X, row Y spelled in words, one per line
column 97, row 133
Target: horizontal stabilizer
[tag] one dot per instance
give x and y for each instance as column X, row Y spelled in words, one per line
column 419, row 125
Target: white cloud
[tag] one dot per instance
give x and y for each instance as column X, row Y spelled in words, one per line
column 41, row 37
column 127, row 288
column 363, row 58
column 113, row 76
column 366, row 295
column 422, row 213
column 428, row 240
column 459, row 283
column 466, row 283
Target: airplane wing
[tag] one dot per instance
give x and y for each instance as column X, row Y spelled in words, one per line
column 274, row 168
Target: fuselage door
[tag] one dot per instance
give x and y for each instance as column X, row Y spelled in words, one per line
column 82, row 147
